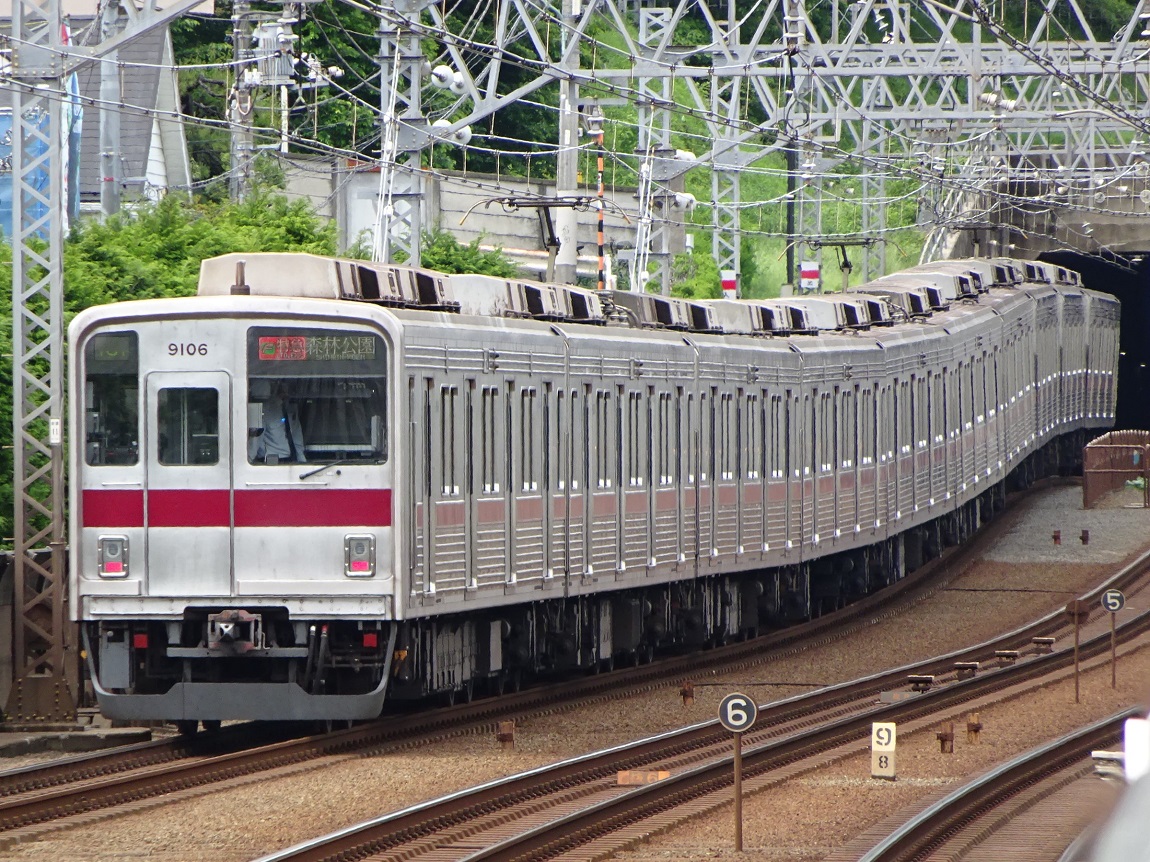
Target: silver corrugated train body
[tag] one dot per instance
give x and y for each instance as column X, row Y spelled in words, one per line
column 323, row 482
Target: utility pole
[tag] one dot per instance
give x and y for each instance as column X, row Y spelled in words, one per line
column 242, row 103
column 110, row 170
column 567, row 167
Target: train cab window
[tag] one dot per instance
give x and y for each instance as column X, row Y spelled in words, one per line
column 111, row 399
column 316, row 395
column 189, row 426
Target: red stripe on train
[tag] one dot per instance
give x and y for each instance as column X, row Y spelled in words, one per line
column 313, row 507
column 185, row 508
column 113, row 508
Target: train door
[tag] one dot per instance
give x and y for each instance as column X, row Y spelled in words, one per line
column 806, row 464
column 727, row 466
column 793, row 460
column 488, row 515
column 418, row 481
column 577, row 463
column 602, row 494
column 447, row 531
column 885, row 470
column 189, row 482
column 527, row 534
column 689, row 533
column 665, row 524
column 707, row 465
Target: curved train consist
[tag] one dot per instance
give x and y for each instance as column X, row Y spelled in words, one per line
column 325, row 482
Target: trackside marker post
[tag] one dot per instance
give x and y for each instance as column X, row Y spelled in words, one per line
column 1113, row 601
column 737, row 713
column 883, row 737
column 1078, row 611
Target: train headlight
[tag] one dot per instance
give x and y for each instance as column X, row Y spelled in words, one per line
column 113, row 556
column 359, row 556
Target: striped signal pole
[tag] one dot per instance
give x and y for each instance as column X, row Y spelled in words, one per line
column 595, row 127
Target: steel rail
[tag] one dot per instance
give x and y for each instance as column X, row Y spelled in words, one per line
column 580, row 827
column 915, row 838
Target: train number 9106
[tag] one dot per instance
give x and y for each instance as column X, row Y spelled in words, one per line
column 187, row 349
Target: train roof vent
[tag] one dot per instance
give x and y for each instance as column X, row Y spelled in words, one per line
column 1037, row 272
column 912, row 301
column 966, row 285
column 917, row 303
column 977, row 281
column 937, row 298
column 541, row 301
column 385, row 284
column 773, row 320
column 799, row 324
column 273, row 274
column 650, row 311
column 584, row 306
column 701, row 318
column 879, row 312
column 856, row 314
column 1068, row 277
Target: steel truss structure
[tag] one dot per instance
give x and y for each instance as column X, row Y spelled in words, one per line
column 936, row 92
column 40, row 59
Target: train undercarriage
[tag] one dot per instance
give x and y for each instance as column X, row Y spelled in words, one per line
column 207, row 666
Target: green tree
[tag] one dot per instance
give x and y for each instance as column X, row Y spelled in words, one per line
column 151, row 252
column 443, row 252
column 695, row 275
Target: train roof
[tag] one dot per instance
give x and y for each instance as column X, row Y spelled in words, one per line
column 915, row 294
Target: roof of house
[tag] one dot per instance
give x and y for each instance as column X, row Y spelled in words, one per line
column 148, row 84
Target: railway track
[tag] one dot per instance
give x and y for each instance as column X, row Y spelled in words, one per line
column 576, row 809
column 963, row 818
column 45, row 793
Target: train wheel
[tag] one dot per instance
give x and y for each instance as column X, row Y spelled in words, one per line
column 187, row 727
column 467, row 693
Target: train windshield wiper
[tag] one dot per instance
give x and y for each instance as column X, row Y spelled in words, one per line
column 375, row 459
column 323, row 467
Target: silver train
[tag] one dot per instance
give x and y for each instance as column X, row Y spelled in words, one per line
column 322, row 483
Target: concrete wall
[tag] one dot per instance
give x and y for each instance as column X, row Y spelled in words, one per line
column 466, row 206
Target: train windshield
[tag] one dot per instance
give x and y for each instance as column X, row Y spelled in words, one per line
column 111, row 399
column 316, row 395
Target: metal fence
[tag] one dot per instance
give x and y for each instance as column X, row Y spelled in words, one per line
column 1113, row 460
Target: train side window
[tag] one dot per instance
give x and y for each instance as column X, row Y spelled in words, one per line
column 189, row 427
column 727, row 444
column 489, row 452
column 550, row 441
column 527, row 478
column 778, row 436
column 753, row 437
column 635, row 435
column 848, row 430
column 602, row 448
column 111, row 399
column 449, row 397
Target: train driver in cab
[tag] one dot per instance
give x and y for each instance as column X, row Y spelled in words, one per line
column 276, row 438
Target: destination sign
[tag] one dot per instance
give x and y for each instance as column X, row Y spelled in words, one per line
column 316, row 348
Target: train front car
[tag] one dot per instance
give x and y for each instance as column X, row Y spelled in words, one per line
column 231, row 513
